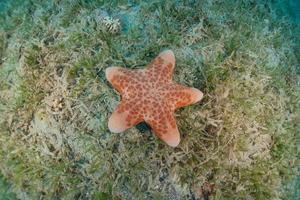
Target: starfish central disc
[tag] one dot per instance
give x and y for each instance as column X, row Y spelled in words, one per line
column 150, row 95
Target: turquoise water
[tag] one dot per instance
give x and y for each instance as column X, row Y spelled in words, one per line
column 290, row 8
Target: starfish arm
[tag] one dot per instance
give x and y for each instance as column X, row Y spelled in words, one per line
column 163, row 123
column 119, row 77
column 162, row 67
column 179, row 96
column 124, row 117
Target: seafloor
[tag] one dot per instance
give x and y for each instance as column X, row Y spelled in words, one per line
column 241, row 141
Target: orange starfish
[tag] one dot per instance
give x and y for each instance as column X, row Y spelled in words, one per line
column 150, row 95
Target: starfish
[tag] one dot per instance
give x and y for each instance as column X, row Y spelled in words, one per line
column 150, row 95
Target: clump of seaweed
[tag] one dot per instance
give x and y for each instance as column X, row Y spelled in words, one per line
column 241, row 142
column 111, row 25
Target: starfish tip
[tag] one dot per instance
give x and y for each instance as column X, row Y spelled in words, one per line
column 116, row 124
column 168, row 55
column 198, row 95
column 171, row 137
column 173, row 142
column 110, row 71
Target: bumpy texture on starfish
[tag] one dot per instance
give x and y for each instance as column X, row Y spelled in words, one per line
column 150, row 95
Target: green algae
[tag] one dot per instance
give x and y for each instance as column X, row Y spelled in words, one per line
column 240, row 142
column 5, row 191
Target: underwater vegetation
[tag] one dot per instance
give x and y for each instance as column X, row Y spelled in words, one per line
column 241, row 141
